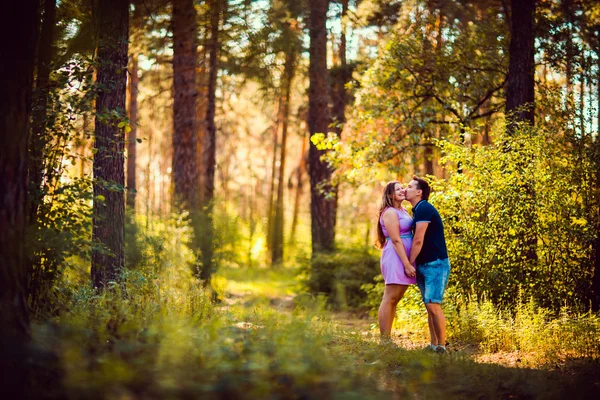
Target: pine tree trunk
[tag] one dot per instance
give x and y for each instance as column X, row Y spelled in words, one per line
column 322, row 207
column 109, row 164
column 185, row 178
column 272, row 197
column 596, row 245
column 300, row 170
column 209, row 145
column 38, row 139
column 569, row 48
column 38, row 143
column 278, row 238
column 521, row 69
column 16, row 80
column 519, row 103
column 133, row 115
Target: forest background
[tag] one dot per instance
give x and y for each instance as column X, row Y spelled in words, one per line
column 153, row 149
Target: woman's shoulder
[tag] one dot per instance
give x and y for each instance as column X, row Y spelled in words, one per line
column 389, row 211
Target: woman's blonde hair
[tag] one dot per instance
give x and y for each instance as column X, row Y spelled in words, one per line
column 387, row 200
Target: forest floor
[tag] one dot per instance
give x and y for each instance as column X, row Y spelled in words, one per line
column 403, row 369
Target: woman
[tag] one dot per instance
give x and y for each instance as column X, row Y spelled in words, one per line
column 394, row 236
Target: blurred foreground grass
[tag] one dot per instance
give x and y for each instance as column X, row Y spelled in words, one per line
column 151, row 340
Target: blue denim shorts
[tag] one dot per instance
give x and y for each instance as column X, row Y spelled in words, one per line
column 432, row 279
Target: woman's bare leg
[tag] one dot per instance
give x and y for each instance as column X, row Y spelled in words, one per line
column 387, row 310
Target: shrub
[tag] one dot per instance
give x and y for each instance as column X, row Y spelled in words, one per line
column 340, row 276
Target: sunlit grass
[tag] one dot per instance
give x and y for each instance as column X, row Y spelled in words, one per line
column 260, row 282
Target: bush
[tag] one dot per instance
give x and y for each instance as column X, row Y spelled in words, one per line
column 340, row 276
column 511, row 225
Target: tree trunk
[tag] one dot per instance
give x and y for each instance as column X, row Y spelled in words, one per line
column 596, row 245
column 300, row 170
column 270, row 210
column 16, row 75
column 185, row 178
column 322, row 205
column 209, row 145
column 38, row 159
column 38, row 138
column 519, row 103
column 278, row 238
column 521, row 68
column 582, row 96
column 133, row 114
column 109, row 175
column 569, row 48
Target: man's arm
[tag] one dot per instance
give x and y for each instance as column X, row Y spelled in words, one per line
column 417, row 244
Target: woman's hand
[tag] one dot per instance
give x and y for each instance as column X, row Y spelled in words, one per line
column 409, row 270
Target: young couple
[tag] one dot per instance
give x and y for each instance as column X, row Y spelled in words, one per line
column 408, row 258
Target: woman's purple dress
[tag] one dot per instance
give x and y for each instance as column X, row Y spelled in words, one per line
column 392, row 268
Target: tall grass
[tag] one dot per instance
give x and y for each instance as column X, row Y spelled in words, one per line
column 541, row 337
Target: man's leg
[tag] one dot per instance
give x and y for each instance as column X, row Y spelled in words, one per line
column 432, row 334
column 437, row 323
column 387, row 310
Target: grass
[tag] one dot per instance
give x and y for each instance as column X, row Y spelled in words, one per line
column 268, row 339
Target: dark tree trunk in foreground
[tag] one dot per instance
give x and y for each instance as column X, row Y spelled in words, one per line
column 209, row 145
column 109, row 171
column 521, row 69
column 16, row 77
column 322, row 209
column 278, row 238
column 520, row 93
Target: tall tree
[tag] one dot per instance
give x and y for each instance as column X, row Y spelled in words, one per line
column 133, row 108
column 16, row 77
column 210, row 141
column 40, row 101
column 521, row 69
column 520, row 102
column 288, row 77
column 108, row 254
column 322, row 207
column 184, row 105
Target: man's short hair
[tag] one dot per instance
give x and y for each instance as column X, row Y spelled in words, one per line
column 423, row 186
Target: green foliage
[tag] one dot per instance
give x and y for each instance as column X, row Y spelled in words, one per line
column 60, row 204
column 152, row 340
column 488, row 210
column 340, row 275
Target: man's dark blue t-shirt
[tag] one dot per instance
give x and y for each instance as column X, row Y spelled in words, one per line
column 434, row 243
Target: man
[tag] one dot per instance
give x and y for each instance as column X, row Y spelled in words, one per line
column 431, row 257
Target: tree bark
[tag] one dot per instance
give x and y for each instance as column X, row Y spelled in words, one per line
column 38, row 139
column 278, row 238
column 108, row 254
column 567, row 7
column 596, row 245
column 16, row 80
column 520, row 105
column 300, row 170
column 521, row 69
column 133, row 113
column 322, row 204
column 185, row 177
column 272, row 197
column 209, row 145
